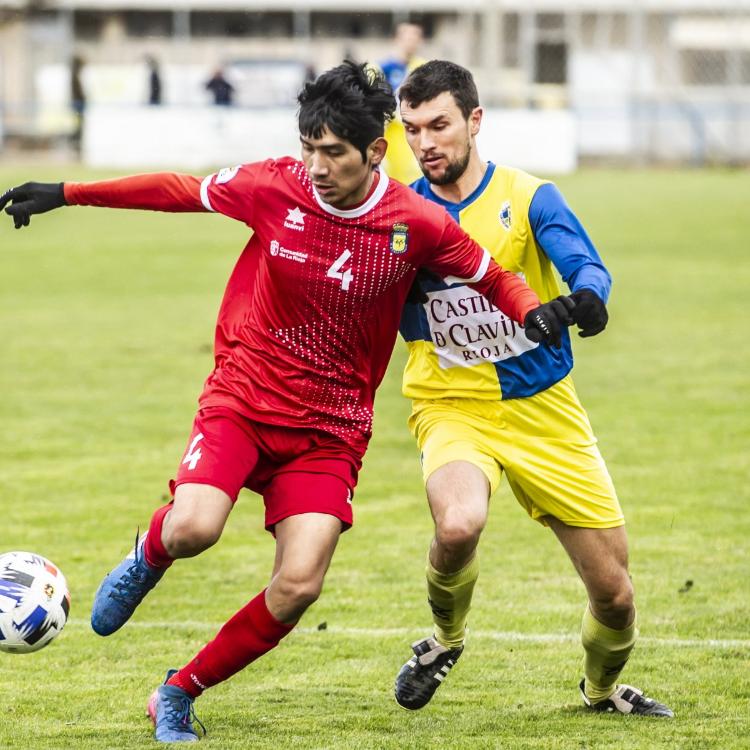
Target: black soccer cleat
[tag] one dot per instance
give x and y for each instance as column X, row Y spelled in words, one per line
column 421, row 676
column 628, row 700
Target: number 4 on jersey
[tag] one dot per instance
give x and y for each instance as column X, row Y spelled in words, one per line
column 194, row 452
column 335, row 272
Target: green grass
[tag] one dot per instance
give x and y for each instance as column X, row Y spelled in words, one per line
column 106, row 325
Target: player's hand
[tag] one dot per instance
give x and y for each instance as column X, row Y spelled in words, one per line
column 590, row 313
column 32, row 198
column 546, row 322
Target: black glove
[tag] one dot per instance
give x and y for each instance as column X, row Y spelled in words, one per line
column 590, row 314
column 545, row 323
column 417, row 294
column 32, row 198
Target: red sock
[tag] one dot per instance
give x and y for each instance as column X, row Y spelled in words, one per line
column 252, row 632
column 153, row 549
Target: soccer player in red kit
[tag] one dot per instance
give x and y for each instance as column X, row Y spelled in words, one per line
column 304, row 334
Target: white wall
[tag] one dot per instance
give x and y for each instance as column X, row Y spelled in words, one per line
column 196, row 138
column 541, row 142
column 601, row 93
column 202, row 138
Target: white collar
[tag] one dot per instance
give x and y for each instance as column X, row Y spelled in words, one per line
column 368, row 205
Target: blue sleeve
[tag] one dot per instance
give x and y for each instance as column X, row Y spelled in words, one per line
column 562, row 237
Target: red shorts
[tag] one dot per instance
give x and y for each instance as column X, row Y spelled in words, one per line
column 295, row 470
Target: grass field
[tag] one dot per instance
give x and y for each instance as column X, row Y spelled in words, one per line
column 106, row 323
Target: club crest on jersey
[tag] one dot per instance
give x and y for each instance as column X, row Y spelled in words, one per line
column 226, row 174
column 399, row 238
column 504, row 215
column 295, row 219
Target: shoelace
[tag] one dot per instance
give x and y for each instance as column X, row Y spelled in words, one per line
column 180, row 711
column 134, row 574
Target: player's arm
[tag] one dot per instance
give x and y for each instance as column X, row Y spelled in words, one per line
column 459, row 259
column 560, row 234
column 155, row 192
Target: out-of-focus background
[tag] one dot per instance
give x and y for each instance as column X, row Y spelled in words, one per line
column 107, row 319
column 123, row 82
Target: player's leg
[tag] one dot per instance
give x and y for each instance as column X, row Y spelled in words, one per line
column 305, row 545
column 609, row 630
column 219, row 457
column 557, row 473
column 308, row 504
column 459, row 477
column 193, row 524
column 458, row 495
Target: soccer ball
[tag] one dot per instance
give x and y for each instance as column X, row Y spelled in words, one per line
column 34, row 602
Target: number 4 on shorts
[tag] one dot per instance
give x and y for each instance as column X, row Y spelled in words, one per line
column 193, row 454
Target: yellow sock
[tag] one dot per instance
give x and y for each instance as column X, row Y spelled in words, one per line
column 605, row 653
column 449, row 595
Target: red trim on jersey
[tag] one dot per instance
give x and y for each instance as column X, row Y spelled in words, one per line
column 164, row 191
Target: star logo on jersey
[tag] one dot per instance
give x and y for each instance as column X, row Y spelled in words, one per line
column 504, row 215
column 295, row 219
column 399, row 238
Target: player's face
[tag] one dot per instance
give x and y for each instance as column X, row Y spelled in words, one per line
column 336, row 168
column 440, row 137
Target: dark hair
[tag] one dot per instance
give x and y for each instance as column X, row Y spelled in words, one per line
column 353, row 101
column 433, row 78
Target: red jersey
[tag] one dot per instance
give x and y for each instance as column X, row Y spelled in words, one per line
column 311, row 311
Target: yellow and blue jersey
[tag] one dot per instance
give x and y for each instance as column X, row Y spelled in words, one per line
column 461, row 346
column 400, row 162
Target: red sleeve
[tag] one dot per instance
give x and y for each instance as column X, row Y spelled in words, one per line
column 507, row 291
column 459, row 259
column 232, row 191
column 164, row 191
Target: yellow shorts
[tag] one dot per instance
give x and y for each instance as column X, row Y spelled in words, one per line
column 543, row 443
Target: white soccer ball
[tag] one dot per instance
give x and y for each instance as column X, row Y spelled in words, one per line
column 34, row 602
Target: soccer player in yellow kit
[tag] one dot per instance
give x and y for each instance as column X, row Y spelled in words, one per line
column 408, row 38
column 486, row 400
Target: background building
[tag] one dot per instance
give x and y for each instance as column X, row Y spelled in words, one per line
column 635, row 80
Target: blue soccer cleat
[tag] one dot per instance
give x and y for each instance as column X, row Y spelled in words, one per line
column 122, row 591
column 171, row 710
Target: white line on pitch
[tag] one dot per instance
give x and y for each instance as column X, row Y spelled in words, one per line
column 495, row 635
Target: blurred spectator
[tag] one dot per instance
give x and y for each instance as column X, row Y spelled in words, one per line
column 154, row 81
column 77, row 101
column 221, row 89
column 407, row 41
